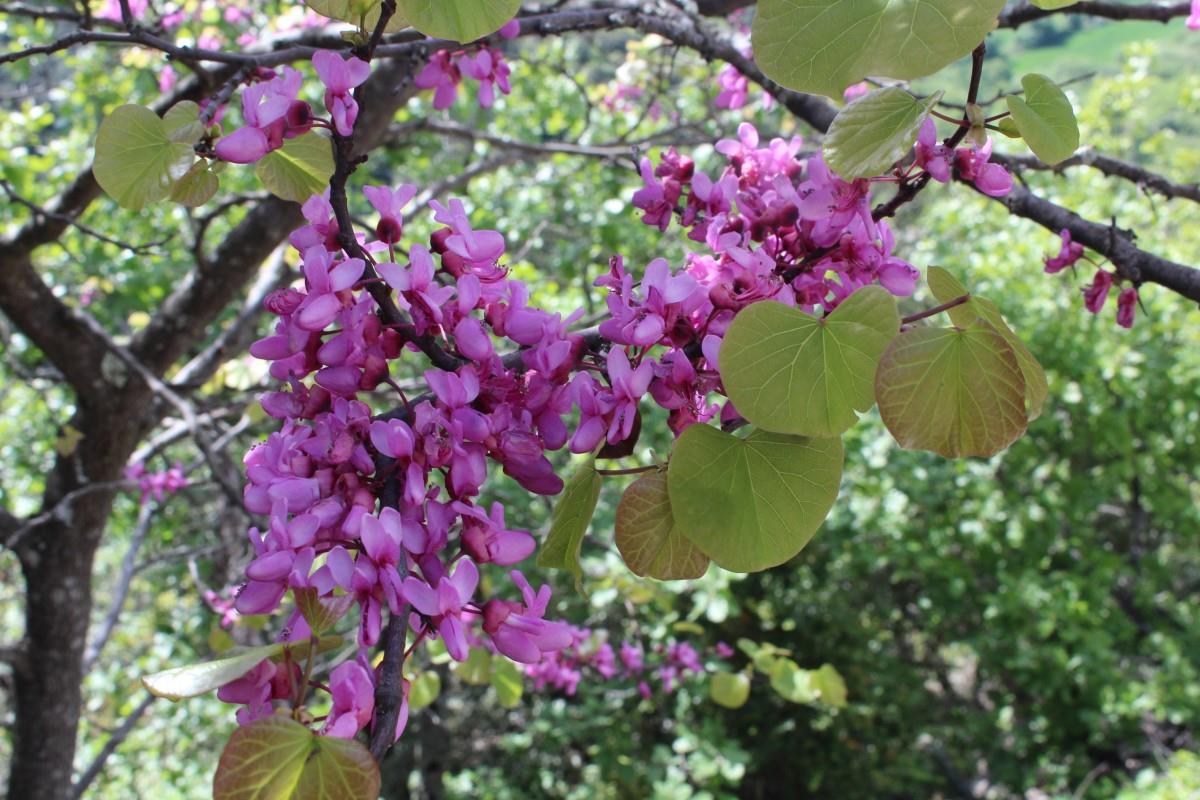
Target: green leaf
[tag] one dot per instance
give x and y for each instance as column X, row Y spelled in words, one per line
column 570, row 522
column 647, row 536
column 946, row 287
column 338, row 769
column 957, row 392
column 299, row 169
column 829, row 686
column 424, row 689
column 1045, row 119
column 263, row 760
column 136, row 161
column 871, row 134
column 791, row 682
column 790, row 372
column 509, row 682
column 460, row 20
column 196, row 187
column 196, row 679
column 321, row 613
column 1050, row 5
column 182, row 122
column 729, row 689
column 477, row 669
column 364, row 12
column 823, row 46
column 277, row 758
column 752, row 503
column 1009, row 128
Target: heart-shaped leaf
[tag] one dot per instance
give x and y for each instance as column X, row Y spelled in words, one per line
column 823, row 46
column 729, row 689
column 196, row 187
column 830, row 688
column 570, row 521
column 277, row 758
column 956, row 391
column 647, row 536
column 182, row 122
column 321, row 613
column 946, row 287
column 299, row 169
column 752, row 503
column 364, row 13
column 197, row 679
column 874, row 132
column 460, row 20
column 791, row 682
column 1045, row 119
column 424, row 689
column 136, row 161
column 790, row 372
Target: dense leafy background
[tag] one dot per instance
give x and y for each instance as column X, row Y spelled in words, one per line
column 1028, row 623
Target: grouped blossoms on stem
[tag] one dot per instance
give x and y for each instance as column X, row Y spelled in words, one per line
column 381, row 509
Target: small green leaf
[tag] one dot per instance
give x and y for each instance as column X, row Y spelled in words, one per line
column 829, row 686
column 196, row 187
column 752, row 503
column 509, row 682
column 1045, row 119
column 1009, row 128
column 570, row 522
column 196, row 679
column 460, row 20
column 477, row 669
column 424, row 689
column 957, row 392
column 871, row 134
column 729, row 689
column 647, row 536
column 136, row 162
column 182, row 122
column 277, row 758
column 791, row 682
column 321, row 613
column 299, row 169
column 823, row 46
column 946, row 287
column 790, row 372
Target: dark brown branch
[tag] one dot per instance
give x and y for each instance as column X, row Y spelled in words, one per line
column 1024, row 12
column 1115, row 168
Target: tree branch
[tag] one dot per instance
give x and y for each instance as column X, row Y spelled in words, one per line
column 1115, row 168
column 118, row 737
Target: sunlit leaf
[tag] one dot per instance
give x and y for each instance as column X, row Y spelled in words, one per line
column 1045, row 119
column 752, row 503
column 338, row 769
column 791, row 682
column 824, row 46
column 136, row 162
column 790, row 372
column 196, row 679
column 957, row 392
column 477, row 669
column 729, row 689
column 569, row 524
column 263, row 760
column 460, row 20
column 182, row 122
column 875, row 131
column 299, row 169
column 196, row 187
column 946, row 287
column 357, row 12
column 647, row 536
column 829, row 686
column 424, row 689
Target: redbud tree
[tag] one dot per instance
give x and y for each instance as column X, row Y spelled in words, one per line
column 762, row 346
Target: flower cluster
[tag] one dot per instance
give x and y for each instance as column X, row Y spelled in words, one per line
column 486, row 65
column 973, row 163
column 1096, row 294
column 591, row 655
column 156, row 484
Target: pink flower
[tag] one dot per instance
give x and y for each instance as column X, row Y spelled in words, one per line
column 486, row 540
column 1193, row 20
column 519, row 631
column 1096, row 294
column 443, row 76
column 340, row 76
column 511, row 29
column 991, row 179
column 489, row 69
column 1126, row 305
column 390, row 204
column 1068, row 254
column 444, row 605
column 931, row 155
column 855, row 91
column 353, row 694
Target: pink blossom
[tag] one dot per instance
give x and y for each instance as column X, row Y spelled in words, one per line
column 444, row 604
column 340, row 76
column 520, row 631
column 1096, row 294
column 1068, row 254
column 1126, row 306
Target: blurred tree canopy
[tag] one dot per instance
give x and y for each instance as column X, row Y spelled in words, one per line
column 1021, row 627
